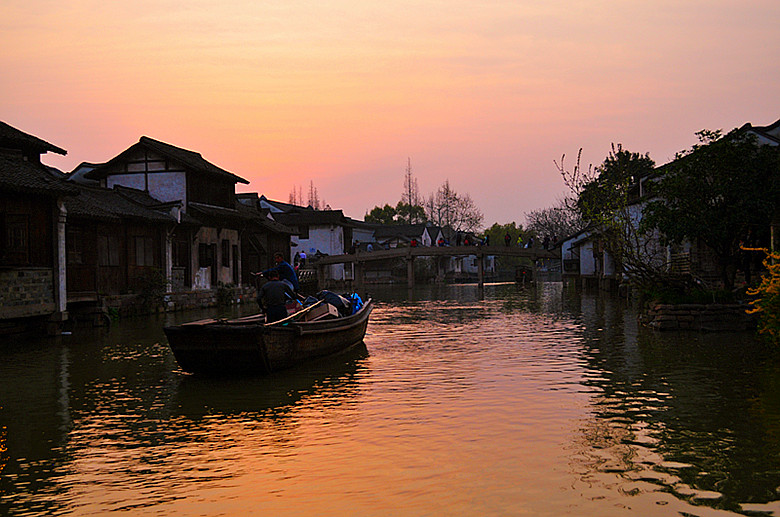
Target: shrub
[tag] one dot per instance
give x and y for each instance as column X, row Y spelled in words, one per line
column 767, row 302
column 152, row 287
column 224, row 294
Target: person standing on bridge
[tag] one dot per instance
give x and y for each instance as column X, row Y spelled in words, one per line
column 507, row 239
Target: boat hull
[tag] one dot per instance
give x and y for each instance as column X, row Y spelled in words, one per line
column 225, row 347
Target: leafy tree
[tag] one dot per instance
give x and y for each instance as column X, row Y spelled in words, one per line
column 719, row 192
column 606, row 202
column 497, row 233
column 381, row 215
column 411, row 214
column 604, row 199
column 447, row 208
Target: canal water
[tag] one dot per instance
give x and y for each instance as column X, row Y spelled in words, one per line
column 514, row 401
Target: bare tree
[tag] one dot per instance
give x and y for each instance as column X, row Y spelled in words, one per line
column 410, row 207
column 296, row 196
column 560, row 220
column 575, row 180
column 446, row 208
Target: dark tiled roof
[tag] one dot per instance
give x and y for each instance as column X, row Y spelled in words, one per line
column 12, row 138
column 216, row 215
column 77, row 174
column 139, row 197
column 764, row 131
column 19, row 175
column 400, row 230
column 284, row 207
column 311, row 217
column 110, row 205
column 262, row 221
column 189, row 159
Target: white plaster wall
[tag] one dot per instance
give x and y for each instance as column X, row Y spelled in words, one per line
column 165, row 186
column 587, row 262
column 168, row 186
column 327, row 239
column 202, row 276
column 359, row 234
column 428, row 239
column 609, row 265
column 567, row 249
column 135, row 181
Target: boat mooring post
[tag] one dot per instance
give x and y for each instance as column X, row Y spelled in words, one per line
column 410, row 271
column 480, row 269
column 321, row 276
column 359, row 276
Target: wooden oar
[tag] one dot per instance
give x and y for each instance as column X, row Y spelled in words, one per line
column 295, row 315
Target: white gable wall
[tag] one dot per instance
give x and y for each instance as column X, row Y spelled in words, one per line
column 362, row 235
column 328, row 239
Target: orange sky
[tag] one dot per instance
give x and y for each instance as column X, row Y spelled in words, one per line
column 341, row 93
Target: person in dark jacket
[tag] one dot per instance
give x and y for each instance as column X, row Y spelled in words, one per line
column 273, row 296
column 286, row 272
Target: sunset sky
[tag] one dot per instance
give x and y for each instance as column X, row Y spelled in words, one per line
column 342, row 93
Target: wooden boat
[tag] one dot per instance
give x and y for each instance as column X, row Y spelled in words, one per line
column 249, row 345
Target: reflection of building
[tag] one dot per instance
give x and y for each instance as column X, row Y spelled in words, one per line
column 32, row 232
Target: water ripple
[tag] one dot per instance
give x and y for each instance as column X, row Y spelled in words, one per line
column 534, row 401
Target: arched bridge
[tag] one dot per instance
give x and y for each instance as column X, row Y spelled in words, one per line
column 409, row 254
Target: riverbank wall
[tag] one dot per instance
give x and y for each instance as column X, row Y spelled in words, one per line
column 99, row 312
column 709, row 318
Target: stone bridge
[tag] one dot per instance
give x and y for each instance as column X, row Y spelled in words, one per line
column 409, row 254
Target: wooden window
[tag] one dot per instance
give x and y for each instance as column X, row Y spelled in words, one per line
column 108, row 250
column 181, row 253
column 235, row 264
column 144, row 251
column 225, row 253
column 15, row 230
column 74, row 244
column 205, row 255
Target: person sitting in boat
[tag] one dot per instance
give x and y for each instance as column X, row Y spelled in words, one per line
column 286, row 272
column 273, row 295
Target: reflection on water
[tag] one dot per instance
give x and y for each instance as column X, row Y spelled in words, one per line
column 504, row 401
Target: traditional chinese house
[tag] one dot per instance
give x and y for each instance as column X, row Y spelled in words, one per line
column 114, row 243
column 205, row 245
column 32, row 234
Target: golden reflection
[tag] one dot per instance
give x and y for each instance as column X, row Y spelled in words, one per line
column 3, row 447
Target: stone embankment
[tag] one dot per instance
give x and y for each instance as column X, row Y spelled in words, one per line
column 709, row 318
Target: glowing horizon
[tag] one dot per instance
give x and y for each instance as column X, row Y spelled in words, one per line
column 341, row 94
